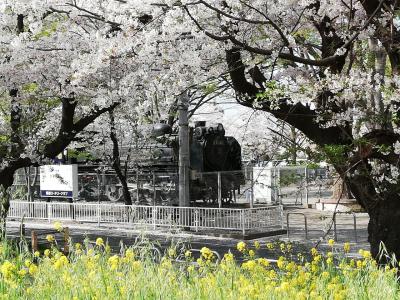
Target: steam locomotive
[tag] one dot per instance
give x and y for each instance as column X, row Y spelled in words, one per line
column 155, row 179
column 211, row 152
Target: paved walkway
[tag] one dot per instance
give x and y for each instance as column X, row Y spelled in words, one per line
column 318, row 224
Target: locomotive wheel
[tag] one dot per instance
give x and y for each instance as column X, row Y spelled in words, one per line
column 113, row 193
column 209, row 196
column 227, row 200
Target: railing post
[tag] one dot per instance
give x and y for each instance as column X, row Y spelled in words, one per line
column 219, row 190
column 355, row 226
column 243, row 222
column 154, row 189
column 287, row 225
column 98, row 214
column 196, row 220
column 154, row 211
column 251, row 189
column 281, row 215
column 305, row 226
column 49, row 214
column 306, row 185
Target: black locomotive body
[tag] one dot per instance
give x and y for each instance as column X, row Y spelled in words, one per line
column 216, row 164
column 215, row 168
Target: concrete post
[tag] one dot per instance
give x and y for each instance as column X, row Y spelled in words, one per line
column 184, row 158
column 252, row 190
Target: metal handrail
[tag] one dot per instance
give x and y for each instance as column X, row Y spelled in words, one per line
column 154, row 216
column 354, row 223
column 305, row 222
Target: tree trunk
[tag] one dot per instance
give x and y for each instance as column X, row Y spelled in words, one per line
column 358, row 158
column 4, row 206
column 125, row 191
column 116, row 162
column 293, row 145
column 384, row 228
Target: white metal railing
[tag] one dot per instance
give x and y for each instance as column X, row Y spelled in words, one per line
column 154, row 216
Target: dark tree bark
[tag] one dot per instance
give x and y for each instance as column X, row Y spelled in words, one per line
column 380, row 199
column 355, row 170
column 68, row 131
column 116, row 162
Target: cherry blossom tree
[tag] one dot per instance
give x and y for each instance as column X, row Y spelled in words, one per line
column 329, row 69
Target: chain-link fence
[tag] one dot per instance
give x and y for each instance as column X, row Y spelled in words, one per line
column 291, row 184
column 250, row 186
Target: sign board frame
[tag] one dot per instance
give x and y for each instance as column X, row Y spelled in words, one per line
column 59, row 181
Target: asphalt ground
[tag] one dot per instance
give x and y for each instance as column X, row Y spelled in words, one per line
column 318, row 225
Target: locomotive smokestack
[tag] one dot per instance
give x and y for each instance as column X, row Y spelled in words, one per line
column 161, row 129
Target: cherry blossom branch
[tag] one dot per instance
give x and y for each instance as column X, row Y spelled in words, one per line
column 327, row 61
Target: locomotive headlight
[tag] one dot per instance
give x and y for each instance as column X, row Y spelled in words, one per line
column 198, row 132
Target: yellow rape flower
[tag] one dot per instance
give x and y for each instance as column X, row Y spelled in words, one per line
column 257, row 245
column 7, row 269
column 50, row 238
column 252, row 253
column 263, row 261
column 171, row 252
column 346, row 247
column 249, row 265
column 46, row 253
column 228, row 256
column 359, row 264
column 113, row 262
column 190, row 269
column 331, row 242
column 33, row 269
column 58, row 226
column 207, row 253
column 281, row 262
column 129, row 254
column 61, row 261
column 366, row 254
column 241, row 246
column 317, row 258
column 99, row 242
column 27, row 263
column 188, row 253
column 22, row 272
column 314, row 251
column 270, row 246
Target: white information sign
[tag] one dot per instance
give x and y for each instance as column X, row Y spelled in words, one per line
column 59, row 181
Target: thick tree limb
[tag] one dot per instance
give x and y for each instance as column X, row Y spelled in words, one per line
column 69, row 129
column 298, row 115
